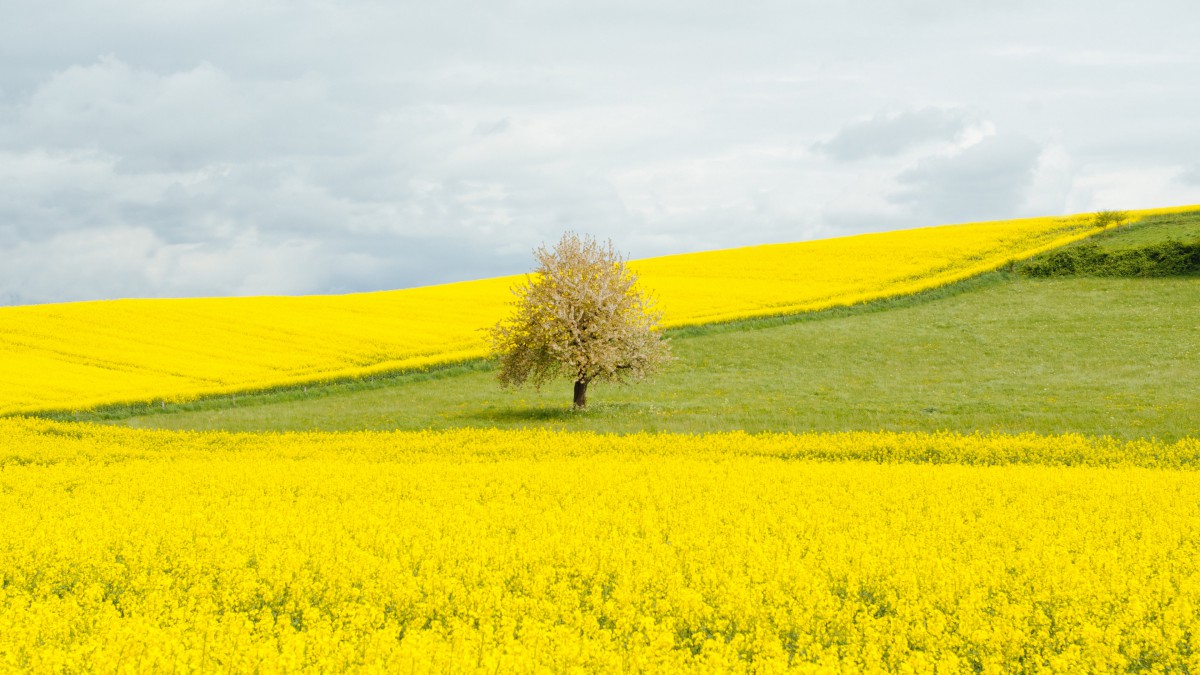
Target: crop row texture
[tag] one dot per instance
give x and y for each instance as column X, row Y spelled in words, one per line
column 88, row 354
column 486, row 551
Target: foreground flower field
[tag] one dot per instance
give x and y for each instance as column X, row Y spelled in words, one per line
column 487, row 551
column 80, row 355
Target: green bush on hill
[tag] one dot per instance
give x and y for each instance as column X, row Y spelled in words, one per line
column 1166, row 259
column 1106, row 218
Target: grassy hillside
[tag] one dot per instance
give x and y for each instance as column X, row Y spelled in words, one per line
column 82, row 355
column 1117, row 357
column 1167, row 245
column 1150, row 231
column 1004, row 353
column 1109, row 357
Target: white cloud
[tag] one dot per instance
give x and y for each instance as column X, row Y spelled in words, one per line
column 1130, row 187
column 245, row 147
column 895, row 132
column 1052, row 181
column 1189, row 175
column 179, row 119
column 126, row 261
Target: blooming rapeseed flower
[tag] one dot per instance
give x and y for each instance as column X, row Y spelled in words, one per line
column 86, row 354
column 530, row 551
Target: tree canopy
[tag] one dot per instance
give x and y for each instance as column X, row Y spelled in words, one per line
column 582, row 315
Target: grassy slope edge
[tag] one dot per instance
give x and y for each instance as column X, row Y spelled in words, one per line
column 84, row 355
column 995, row 353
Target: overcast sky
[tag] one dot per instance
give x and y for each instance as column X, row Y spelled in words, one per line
column 183, row 148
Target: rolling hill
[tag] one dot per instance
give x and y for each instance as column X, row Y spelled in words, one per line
column 76, row 356
column 999, row 353
column 994, row 474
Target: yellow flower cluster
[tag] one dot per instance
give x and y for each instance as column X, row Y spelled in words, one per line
column 81, row 355
column 484, row 551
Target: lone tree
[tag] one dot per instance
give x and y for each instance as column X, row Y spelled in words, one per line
column 1103, row 219
column 579, row 315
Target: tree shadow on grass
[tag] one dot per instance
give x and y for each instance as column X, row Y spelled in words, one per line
column 542, row 414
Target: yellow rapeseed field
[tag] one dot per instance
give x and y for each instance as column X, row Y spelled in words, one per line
column 82, row 355
column 484, row 551
column 518, row 552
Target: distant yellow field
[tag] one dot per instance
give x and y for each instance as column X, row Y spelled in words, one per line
column 80, row 355
column 534, row 552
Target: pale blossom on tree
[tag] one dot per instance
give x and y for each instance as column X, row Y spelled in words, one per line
column 581, row 315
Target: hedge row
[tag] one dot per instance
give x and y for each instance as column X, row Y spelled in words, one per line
column 1167, row 259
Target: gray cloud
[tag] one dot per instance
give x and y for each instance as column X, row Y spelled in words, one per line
column 890, row 134
column 154, row 149
column 177, row 120
column 989, row 180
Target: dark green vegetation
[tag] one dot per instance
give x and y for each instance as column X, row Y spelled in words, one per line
column 1164, row 246
column 1168, row 259
column 1104, row 356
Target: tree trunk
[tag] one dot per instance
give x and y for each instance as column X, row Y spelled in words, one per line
column 580, row 393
